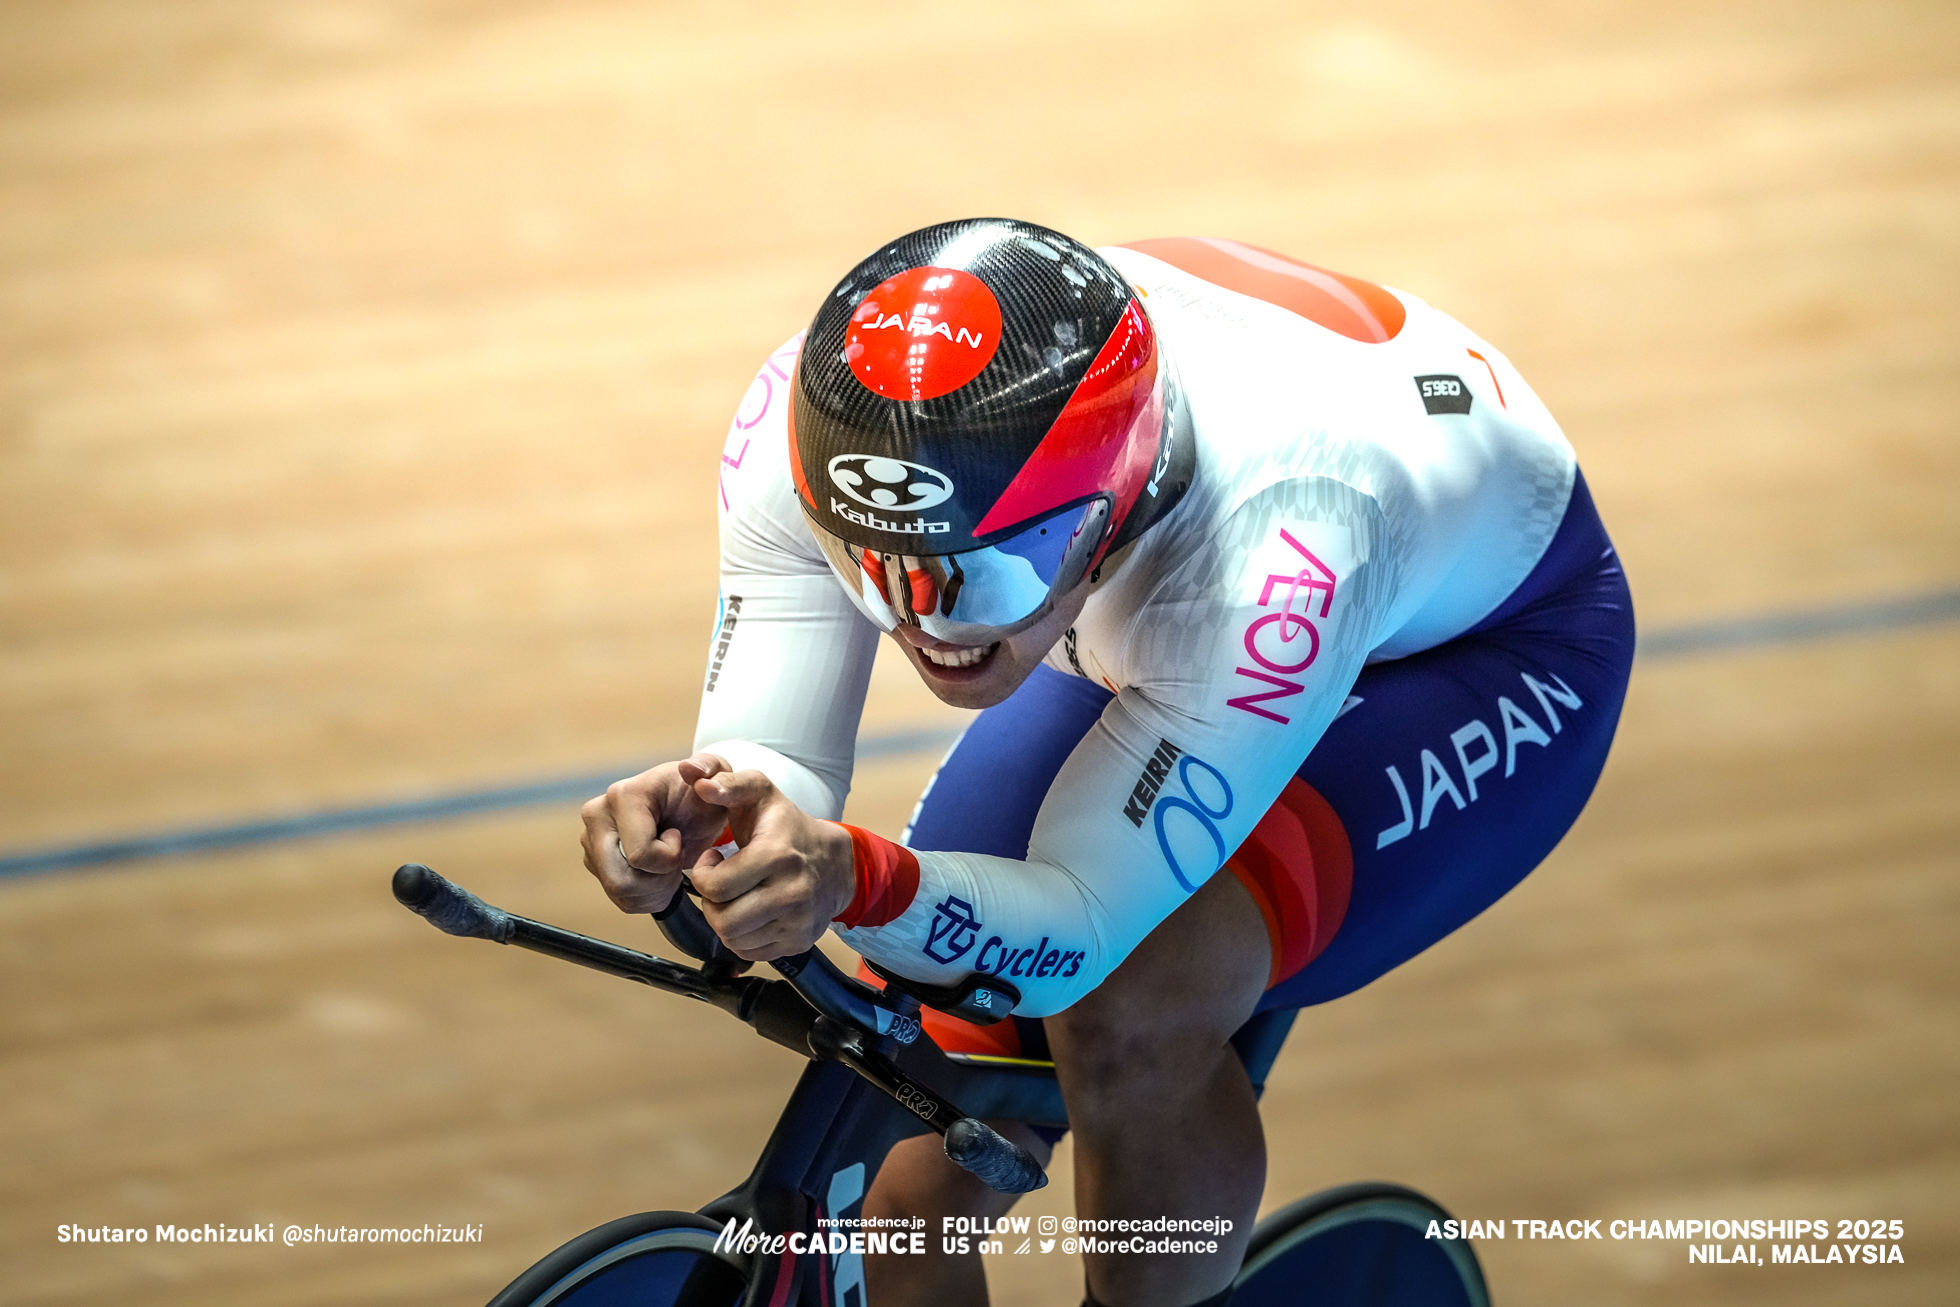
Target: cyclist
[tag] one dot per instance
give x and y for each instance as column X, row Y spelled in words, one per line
column 1251, row 566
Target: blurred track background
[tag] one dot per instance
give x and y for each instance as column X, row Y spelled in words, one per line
column 363, row 370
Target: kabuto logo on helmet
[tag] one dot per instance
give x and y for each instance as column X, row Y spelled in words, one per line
column 890, row 483
column 923, row 333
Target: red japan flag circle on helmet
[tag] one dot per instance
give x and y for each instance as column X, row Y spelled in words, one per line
column 922, row 334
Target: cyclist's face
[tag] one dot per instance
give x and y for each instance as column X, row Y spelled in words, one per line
column 982, row 676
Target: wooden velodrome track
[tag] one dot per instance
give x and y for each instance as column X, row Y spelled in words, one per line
column 362, row 373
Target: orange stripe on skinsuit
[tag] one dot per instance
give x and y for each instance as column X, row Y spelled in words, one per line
column 1349, row 306
column 1299, row 868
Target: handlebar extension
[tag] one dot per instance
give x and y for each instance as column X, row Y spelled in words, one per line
column 816, row 1009
column 687, row 930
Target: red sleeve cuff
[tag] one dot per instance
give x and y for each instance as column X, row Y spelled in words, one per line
column 887, row 880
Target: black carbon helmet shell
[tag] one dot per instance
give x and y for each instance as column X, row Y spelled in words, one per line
column 1063, row 313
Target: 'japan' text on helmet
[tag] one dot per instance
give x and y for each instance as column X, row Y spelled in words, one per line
column 981, row 414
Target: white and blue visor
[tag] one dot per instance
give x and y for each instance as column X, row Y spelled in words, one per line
column 977, row 597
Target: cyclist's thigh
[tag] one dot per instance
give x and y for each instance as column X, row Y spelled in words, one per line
column 1462, row 766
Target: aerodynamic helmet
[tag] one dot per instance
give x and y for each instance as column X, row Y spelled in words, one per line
column 980, row 414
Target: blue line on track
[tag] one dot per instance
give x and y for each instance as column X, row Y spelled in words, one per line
column 563, row 789
column 1704, row 637
column 1810, row 624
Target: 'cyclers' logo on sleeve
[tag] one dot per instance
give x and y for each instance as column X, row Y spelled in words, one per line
column 950, row 934
column 998, row 957
column 953, row 929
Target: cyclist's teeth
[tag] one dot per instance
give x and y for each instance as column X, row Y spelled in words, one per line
column 957, row 657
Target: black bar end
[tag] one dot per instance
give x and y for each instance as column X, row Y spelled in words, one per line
column 1001, row 1164
column 450, row 908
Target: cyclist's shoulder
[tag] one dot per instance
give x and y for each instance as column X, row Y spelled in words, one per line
column 1199, row 576
column 1266, row 345
column 760, row 425
column 755, row 492
column 1199, row 287
column 1274, row 593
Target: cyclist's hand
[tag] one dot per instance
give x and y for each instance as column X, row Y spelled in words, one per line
column 643, row 832
column 793, row 873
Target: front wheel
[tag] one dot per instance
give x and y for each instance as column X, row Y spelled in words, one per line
column 1359, row 1245
column 654, row 1259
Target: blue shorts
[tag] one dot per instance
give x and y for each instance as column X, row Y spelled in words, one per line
column 1459, row 770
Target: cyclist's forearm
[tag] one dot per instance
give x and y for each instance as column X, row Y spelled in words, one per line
column 938, row 916
column 814, row 792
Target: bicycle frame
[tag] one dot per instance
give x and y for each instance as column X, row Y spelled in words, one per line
column 871, row 1082
column 834, row 1133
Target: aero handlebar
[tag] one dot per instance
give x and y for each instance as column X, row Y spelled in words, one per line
column 815, row 1009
